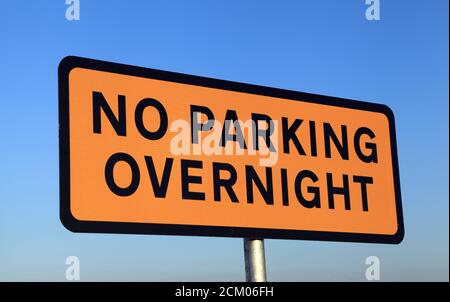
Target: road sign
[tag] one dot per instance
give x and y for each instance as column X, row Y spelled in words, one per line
column 145, row 151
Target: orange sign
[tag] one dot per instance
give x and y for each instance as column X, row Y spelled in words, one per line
column 153, row 152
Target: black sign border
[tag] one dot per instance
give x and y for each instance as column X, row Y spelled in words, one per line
column 71, row 223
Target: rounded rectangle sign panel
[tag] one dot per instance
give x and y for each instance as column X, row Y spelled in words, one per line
column 145, row 151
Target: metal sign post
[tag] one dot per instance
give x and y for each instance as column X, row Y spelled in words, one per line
column 255, row 263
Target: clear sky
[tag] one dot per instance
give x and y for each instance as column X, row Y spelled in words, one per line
column 324, row 47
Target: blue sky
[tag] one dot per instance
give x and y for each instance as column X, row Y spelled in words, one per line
column 324, row 47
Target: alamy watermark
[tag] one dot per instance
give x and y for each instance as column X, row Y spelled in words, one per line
column 373, row 268
column 373, row 10
column 213, row 138
column 73, row 10
column 73, row 268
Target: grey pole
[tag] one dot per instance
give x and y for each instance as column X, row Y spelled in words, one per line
column 255, row 263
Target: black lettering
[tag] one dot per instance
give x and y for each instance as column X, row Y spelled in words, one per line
column 372, row 157
column 284, row 187
column 196, row 126
column 109, row 174
column 312, row 135
column 264, row 133
column 226, row 183
column 232, row 119
column 159, row 188
column 163, row 120
column 315, row 201
column 187, row 179
column 252, row 177
column 119, row 123
column 289, row 134
column 363, row 180
column 330, row 134
column 338, row 191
